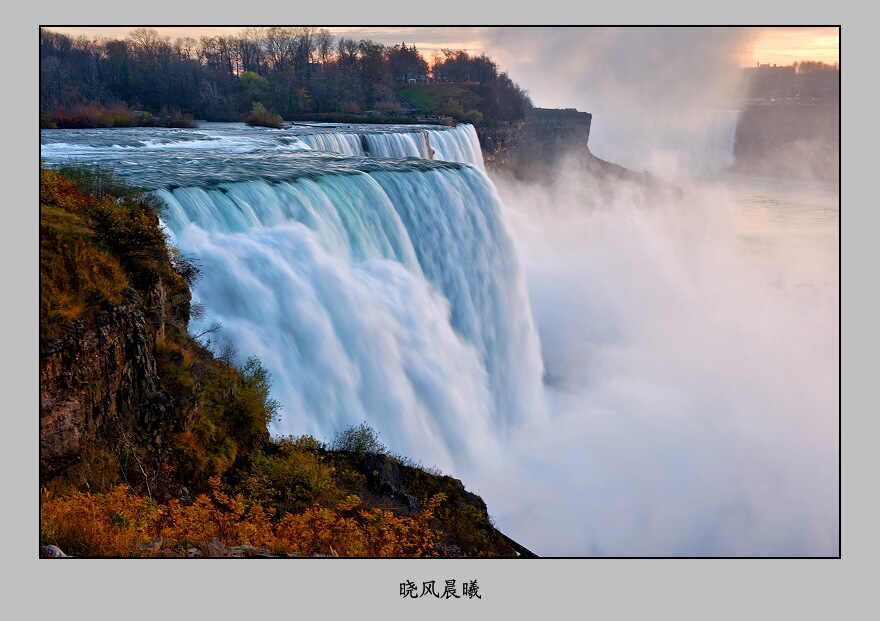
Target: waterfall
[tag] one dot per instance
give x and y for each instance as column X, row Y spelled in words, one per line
column 369, row 268
column 449, row 144
column 459, row 145
column 392, row 297
column 695, row 142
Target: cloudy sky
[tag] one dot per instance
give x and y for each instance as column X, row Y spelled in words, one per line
column 780, row 45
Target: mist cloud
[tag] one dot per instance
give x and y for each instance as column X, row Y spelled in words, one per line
column 599, row 69
column 692, row 382
column 641, row 84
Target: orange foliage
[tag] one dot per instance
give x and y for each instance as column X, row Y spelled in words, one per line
column 114, row 524
column 58, row 191
column 120, row 523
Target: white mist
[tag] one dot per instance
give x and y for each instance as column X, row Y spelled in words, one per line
column 691, row 350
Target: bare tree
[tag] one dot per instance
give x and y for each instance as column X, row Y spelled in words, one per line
column 250, row 49
column 324, row 45
column 280, row 46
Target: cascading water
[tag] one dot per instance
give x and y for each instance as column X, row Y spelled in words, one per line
column 694, row 142
column 460, row 144
column 383, row 289
column 449, row 144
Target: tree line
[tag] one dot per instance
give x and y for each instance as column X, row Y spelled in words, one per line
column 289, row 70
column 805, row 81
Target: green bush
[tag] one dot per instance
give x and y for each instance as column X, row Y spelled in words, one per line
column 474, row 117
column 253, row 84
column 358, row 439
column 240, row 402
column 131, row 232
column 452, row 108
column 97, row 181
column 289, row 474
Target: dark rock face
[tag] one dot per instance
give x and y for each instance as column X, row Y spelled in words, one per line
column 553, row 141
column 550, row 131
column 384, row 478
column 545, row 137
column 387, row 479
column 100, row 380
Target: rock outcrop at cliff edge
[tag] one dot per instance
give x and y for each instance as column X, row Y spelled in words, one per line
column 98, row 384
column 546, row 142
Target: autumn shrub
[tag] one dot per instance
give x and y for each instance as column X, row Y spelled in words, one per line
column 305, row 443
column 238, row 399
column 122, row 218
column 94, row 114
column 119, row 221
column 170, row 116
column 218, row 515
column 222, row 411
column 120, row 115
column 74, row 280
column 129, row 230
column 93, row 206
column 253, row 409
column 121, row 524
column 199, row 454
column 462, row 522
column 76, row 276
column 115, row 524
column 261, row 117
column 115, row 114
column 468, row 528
column 186, row 266
column 174, row 366
column 349, row 530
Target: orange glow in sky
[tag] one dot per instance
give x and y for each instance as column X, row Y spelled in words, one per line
column 772, row 45
column 426, row 38
column 788, row 45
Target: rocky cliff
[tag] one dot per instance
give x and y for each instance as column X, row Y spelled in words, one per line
column 99, row 385
column 548, row 141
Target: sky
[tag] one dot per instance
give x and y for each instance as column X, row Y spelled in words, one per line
column 774, row 45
